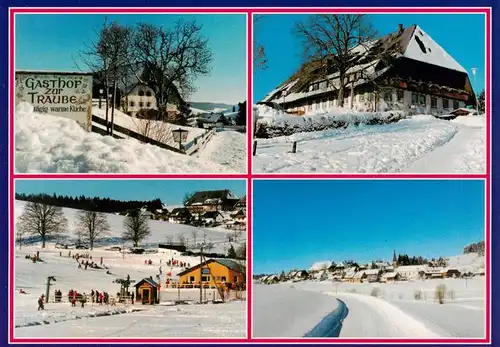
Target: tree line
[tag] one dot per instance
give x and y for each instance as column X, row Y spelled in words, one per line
column 475, row 248
column 83, row 202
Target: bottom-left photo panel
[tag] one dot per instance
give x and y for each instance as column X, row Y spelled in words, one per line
column 128, row 259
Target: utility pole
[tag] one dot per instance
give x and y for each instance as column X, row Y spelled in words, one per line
column 201, row 273
column 47, row 292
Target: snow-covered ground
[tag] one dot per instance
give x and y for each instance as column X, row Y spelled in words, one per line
column 393, row 312
column 60, row 319
column 227, row 148
column 54, row 144
column 420, row 144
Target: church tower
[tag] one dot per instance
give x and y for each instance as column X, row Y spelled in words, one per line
column 394, row 260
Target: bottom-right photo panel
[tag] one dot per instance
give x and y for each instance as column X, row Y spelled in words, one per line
column 369, row 258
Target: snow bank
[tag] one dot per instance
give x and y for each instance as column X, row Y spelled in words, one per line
column 272, row 123
column 45, row 143
column 472, row 121
column 227, row 148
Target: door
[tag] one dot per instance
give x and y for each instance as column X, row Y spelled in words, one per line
column 145, row 296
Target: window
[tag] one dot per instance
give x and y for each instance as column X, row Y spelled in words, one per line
column 434, row 102
column 446, row 103
column 191, row 279
column 132, row 104
column 323, row 85
column 361, row 97
column 370, row 97
column 401, row 96
column 422, row 99
column 141, row 92
column 235, row 279
column 148, row 104
column 414, row 98
column 205, row 278
column 141, row 104
column 455, row 104
column 148, row 93
column 223, row 279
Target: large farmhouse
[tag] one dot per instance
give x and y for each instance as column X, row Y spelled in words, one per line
column 405, row 70
column 215, row 200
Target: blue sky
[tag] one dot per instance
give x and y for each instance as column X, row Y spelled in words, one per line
column 170, row 192
column 461, row 35
column 299, row 222
column 52, row 42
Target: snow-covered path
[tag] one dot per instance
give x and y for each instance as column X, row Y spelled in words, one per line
column 372, row 317
column 228, row 149
column 418, row 144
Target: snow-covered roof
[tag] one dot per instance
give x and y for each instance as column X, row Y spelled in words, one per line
column 372, row 272
column 322, row 265
column 423, row 48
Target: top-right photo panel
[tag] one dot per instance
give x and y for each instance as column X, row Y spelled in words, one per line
column 370, row 93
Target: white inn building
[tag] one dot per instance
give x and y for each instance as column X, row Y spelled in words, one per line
column 405, row 70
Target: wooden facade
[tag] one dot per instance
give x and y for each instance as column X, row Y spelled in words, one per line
column 214, row 272
column 146, row 291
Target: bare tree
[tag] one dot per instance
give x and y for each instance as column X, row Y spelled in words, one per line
column 91, row 226
column 259, row 52
column 171, row 57
column 182, row 239
column 110, row 56
column 19, row 237
column 156, row 130
column 329, row 39
column 136, row 227
column 241, row 251
column 43, row 220
column 194, row 233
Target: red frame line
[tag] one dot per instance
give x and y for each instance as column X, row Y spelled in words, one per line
column 249, row 176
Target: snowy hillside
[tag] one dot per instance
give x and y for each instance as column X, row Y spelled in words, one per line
column 160, row 230
column 420, row 144
column 63, row 146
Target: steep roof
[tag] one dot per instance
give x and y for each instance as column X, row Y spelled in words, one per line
column 211, row 197
column 411, row 43
column 147, row 280
column 230, row 264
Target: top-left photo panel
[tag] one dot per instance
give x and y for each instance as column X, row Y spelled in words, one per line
column 138, row 93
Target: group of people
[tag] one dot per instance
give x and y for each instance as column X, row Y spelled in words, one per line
column 178, row 263
column 85, row 264
column 99, row 297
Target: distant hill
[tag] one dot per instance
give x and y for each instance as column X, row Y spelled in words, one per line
column 210, row 106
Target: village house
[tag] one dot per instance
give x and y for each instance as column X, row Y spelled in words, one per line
column 241, row 204
column 180, row 215
column 349, row 274
column 404, row 70
column 239, row 216
column 373, row 275
column 359, row 276
column 214, row 200
column 410, row 272
column 137, row 97
column 389, row 277
column 214, row 272
column 212, row 218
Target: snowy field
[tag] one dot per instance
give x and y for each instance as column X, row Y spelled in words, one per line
column 63, row 146
column 60, row 319
column 419, row 144
column 394, row 312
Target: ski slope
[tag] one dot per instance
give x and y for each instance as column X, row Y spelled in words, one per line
column 420, row 144
column 60, row 319
column 393, row 312
column 50, row 144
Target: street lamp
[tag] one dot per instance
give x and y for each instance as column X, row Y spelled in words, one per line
column 180, row 135
column 474, row 71
column 101, row 92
